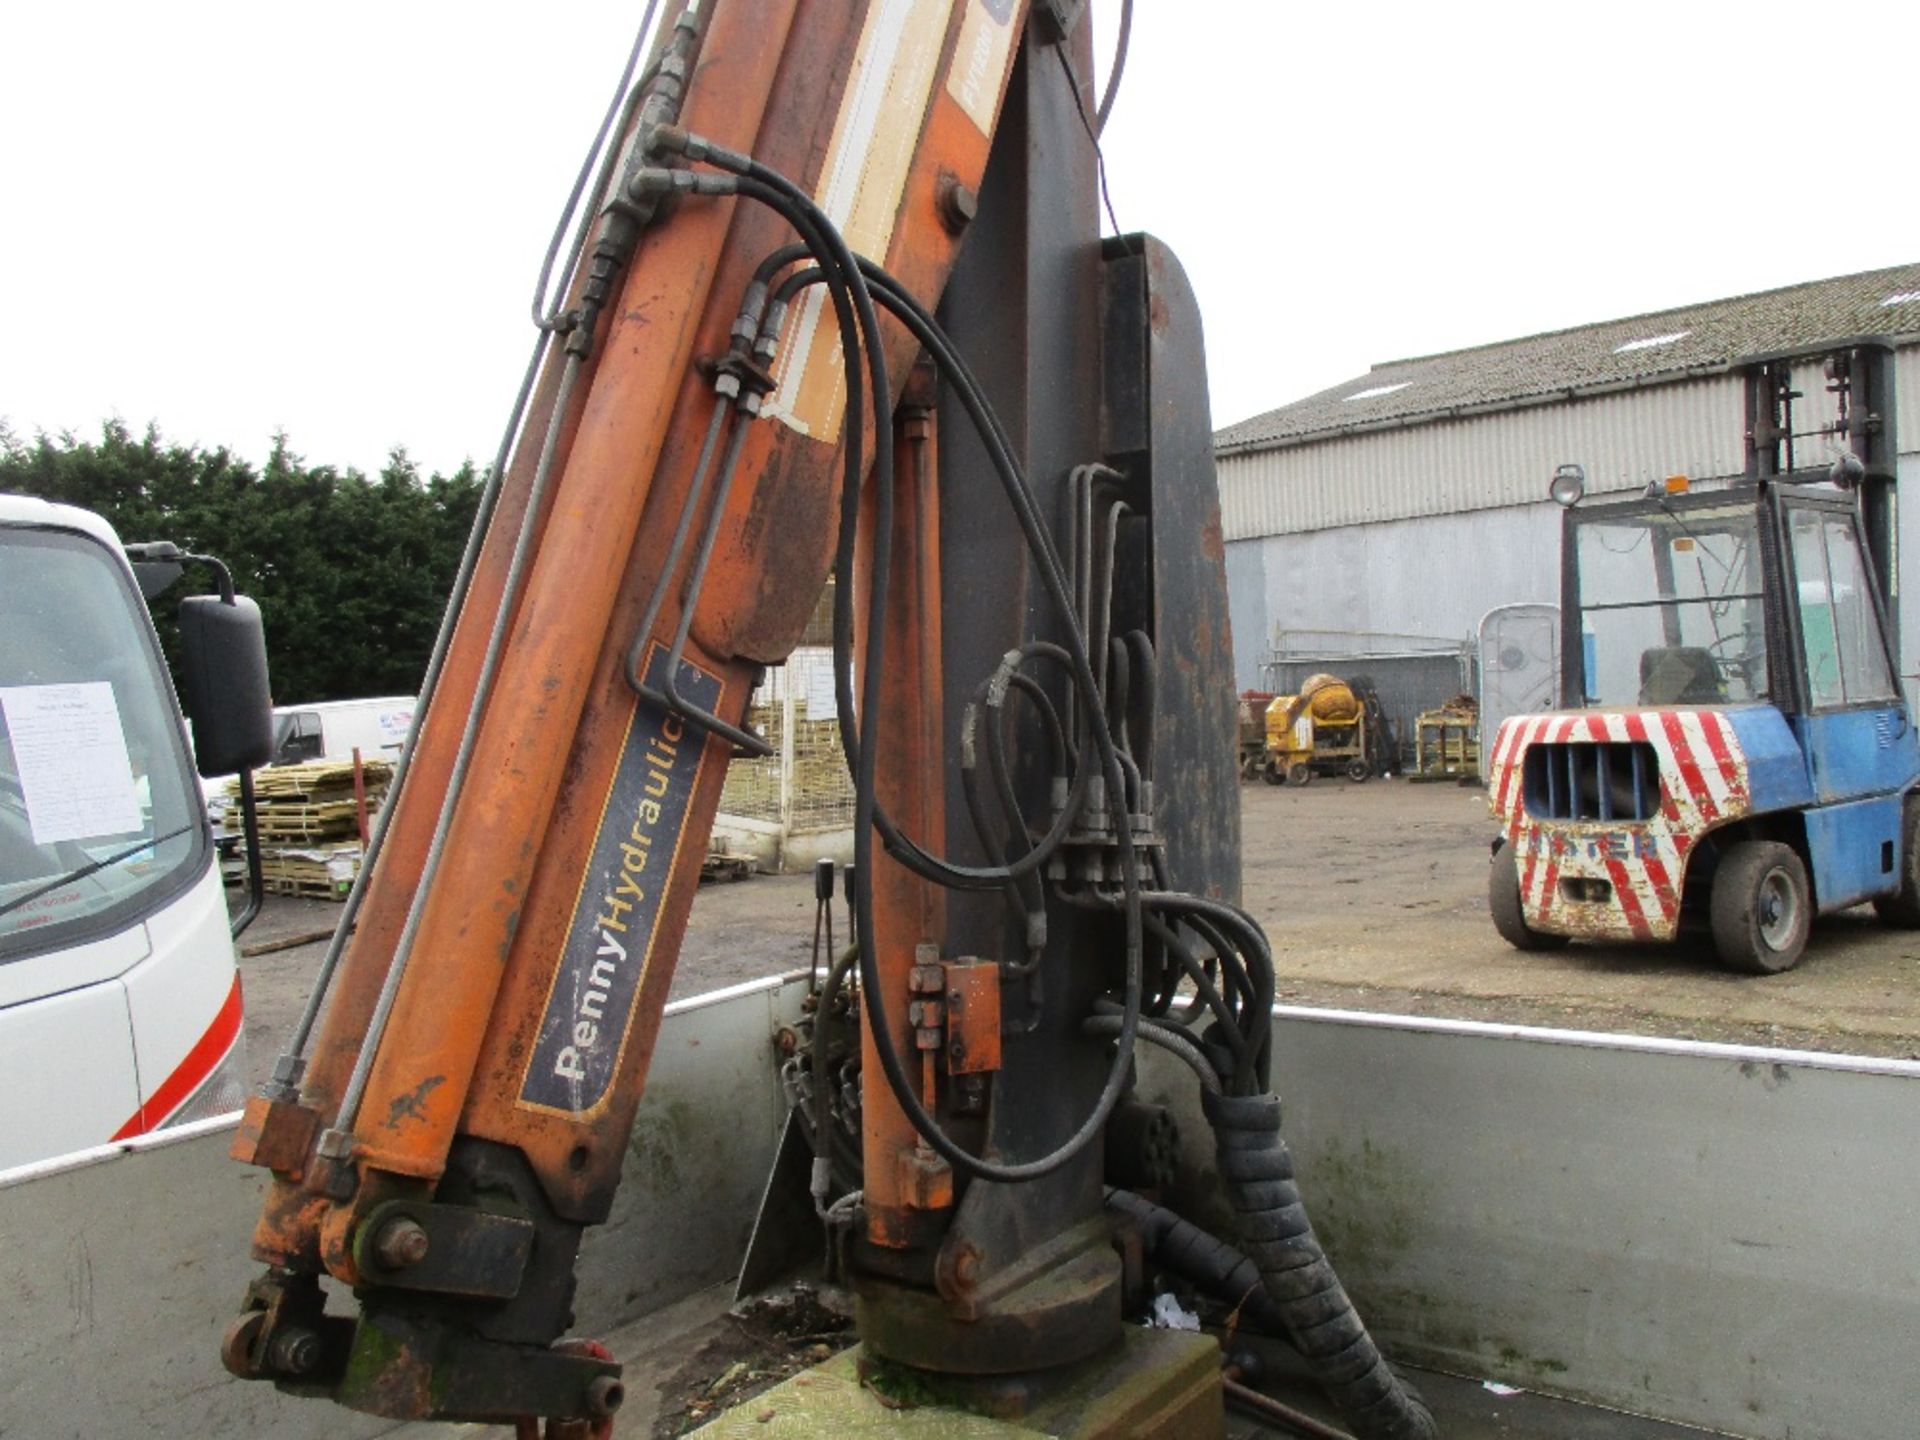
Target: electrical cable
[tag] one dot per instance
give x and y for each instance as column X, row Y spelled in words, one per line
column 1093, row 134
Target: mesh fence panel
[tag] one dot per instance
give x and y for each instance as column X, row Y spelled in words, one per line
column 817, row 789
column 822, row 788
column 752, row 790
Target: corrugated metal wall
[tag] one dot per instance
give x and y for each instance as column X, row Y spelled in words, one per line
column 1439, row 574
column 1433, row 576
column 1484, row 462
column 1423, row 530
column 1488, row 461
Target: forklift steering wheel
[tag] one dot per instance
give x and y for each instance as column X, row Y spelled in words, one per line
column 1733, row 666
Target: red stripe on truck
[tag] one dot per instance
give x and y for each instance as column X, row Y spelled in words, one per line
column 191, row 1073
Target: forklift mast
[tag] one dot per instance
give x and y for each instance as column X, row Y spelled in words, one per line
column 1860, row 375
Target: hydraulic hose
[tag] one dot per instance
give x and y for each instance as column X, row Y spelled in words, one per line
column 1195, row 1255
column 1311, row 1303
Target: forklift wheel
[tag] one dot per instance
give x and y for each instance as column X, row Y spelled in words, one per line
column 1902, row 907
column 1503, row 899
column 1299, row 773
column 1762, row 908
column 1272, row 773
column 1357, row 771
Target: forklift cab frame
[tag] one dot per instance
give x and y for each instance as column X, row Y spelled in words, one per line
column 1789, row 552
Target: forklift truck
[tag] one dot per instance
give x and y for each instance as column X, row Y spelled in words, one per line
column 1739, row 755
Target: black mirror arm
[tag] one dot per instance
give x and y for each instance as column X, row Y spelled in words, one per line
column 222, row 576
column 249, row 809
column 256, row 882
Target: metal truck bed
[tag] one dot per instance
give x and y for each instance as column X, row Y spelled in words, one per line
column 1713, row 1236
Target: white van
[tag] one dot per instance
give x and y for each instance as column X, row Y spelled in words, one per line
column 120, row 1005
column 334, row 729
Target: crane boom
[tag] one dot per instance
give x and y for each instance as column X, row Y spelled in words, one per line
column 777, row 359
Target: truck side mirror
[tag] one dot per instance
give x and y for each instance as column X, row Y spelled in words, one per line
column 223, row 673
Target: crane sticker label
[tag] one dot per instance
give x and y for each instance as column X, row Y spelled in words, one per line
column 980, row 60
column 617, row 913
column 875, row 132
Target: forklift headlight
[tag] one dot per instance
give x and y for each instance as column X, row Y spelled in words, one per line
column 1569, row 485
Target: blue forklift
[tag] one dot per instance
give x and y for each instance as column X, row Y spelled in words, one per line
column 1738, row 755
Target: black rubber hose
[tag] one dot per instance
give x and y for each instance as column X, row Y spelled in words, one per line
column 1199, row 1257
column 1313, row 1305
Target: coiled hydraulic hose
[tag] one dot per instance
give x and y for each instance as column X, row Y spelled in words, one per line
column 1308, row 1297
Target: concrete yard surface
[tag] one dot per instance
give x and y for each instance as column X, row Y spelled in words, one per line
column 1374, row 897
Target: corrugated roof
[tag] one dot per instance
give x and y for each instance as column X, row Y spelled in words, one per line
column 1641, row 349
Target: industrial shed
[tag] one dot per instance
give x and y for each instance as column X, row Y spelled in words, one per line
column 1403, row 505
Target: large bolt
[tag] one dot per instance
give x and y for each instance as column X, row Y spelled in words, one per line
column 966, row 1266
column 296, row 1350
column 400, row 1244
column 605, row 1394
column 958, row 205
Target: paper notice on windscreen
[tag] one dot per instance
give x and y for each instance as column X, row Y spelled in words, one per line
column 71, row 756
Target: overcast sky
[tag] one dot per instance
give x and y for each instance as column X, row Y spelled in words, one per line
column 237, row 218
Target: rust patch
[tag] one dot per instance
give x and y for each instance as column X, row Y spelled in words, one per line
column 413, row 1104
column 1211, row 543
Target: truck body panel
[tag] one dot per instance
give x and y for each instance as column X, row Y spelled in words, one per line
column 1540, row 1208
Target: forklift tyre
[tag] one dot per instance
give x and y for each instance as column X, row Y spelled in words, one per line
column 1299, row 773
column 1503, row 899
column 1761, row 908
column 1272, row 774
column 1902, row 908
column 1357, row 771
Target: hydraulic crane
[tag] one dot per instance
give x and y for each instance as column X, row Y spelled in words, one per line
column 842, row 307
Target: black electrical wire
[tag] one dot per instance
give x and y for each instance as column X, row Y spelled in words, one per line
column 922, row 863
column 1093, row 134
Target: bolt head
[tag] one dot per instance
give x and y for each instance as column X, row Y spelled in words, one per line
column 401, row 1243
column 966, row 1265
column 958, row 206
column 295, row 1351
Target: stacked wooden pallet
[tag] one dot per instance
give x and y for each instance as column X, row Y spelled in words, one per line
column 325, row 874
column 310, row 824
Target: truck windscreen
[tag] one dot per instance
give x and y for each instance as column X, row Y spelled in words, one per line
column 1671, row 604
column 99, row 812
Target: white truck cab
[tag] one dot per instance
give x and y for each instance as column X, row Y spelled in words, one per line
column 120, row 1005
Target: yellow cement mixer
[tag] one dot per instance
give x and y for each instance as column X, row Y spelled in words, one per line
column 1322, row 730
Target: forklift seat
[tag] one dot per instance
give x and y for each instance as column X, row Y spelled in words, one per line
column 1680, row 675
